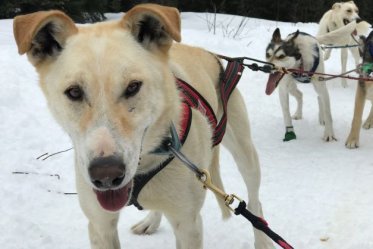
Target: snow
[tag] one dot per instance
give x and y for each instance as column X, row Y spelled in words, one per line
column 311, row 190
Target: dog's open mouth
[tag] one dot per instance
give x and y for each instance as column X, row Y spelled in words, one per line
column 273, row 80
column 114, row 200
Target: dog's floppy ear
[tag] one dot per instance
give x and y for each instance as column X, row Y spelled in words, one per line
column 154, row 26
column 42, row 34
column 276, row 36
column 336, row 6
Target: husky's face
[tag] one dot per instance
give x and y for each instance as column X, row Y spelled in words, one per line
column 347, row 12
column 282, row 53
column 107, row 84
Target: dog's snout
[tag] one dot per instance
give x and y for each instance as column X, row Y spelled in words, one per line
column 107, row 172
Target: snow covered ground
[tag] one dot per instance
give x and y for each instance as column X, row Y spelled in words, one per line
column 311, row 190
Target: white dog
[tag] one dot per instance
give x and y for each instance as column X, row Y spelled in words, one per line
column 298, row 51
column 113, row 87
column 339, row 15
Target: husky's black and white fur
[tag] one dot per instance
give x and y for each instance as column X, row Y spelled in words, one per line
column 298, row 51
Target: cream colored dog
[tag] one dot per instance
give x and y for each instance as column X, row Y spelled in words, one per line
column 341, row 14
column 364, row 91
column 112, row 87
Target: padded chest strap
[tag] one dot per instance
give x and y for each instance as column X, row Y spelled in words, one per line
column 194, row 99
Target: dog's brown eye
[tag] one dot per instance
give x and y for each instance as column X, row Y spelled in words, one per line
column 268, row 55
column 349, row 11
column 281, row 56
column 74, row 93
column 132, row 89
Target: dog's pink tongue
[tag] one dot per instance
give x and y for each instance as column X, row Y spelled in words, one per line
column 273, row 80
column 113, row 200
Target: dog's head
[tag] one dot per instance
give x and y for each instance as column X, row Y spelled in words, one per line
column 347, row 12
column 282, row 53
column 107, row 84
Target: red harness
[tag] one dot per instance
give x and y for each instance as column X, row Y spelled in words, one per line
column 191, row 98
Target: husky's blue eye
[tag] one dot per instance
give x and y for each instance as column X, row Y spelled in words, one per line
column 74, row 93
column 132, row 89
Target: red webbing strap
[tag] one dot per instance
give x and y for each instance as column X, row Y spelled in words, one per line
column 195, row 100
column 231, row 77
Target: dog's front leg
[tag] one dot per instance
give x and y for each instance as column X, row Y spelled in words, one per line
column 353, row 138
column 298, row 95
column 324, row 102
column 187, row 230
column 344, row 65
column 369, row 121
column 102, row 226
column 149, row 224
column 284, row 101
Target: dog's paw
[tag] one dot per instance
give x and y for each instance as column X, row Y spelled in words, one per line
column 290, row 135
column 148, row 225
column 352, row 143
column 368, row 124
column 297, row 116
column 329, row 138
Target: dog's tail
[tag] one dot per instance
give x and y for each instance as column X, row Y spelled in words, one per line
column 216, row 179
column 362, row 28
column 341, row 35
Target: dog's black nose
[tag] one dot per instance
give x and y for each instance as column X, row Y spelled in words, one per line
column 107, row 172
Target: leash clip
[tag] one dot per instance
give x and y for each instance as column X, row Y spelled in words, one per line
column 205, row 178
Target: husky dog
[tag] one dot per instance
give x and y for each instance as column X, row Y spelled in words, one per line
column 339, row 15
column 298, row 51
column 113, row 87
column 364, row 91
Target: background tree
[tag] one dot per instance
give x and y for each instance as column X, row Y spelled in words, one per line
column 279, row 10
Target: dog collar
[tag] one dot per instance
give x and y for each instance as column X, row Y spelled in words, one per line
column 306, row 77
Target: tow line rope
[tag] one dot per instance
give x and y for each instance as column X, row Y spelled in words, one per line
column 322, row 75
column 338, row 46
column 229, row 199
column 267, row 67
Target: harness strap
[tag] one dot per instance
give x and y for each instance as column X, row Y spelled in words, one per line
column 193, row 99
column 231, row 77
column 141, row 180
column 305, row 76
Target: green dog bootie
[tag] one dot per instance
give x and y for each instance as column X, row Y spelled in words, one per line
column 290, row 134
